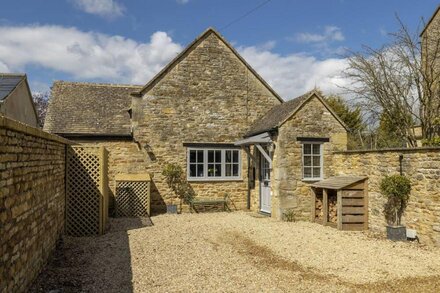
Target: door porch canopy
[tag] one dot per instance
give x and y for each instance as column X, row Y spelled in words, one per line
column 257, row 140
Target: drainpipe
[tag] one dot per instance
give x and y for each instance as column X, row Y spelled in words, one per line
column 248, row 199
column 400, row 164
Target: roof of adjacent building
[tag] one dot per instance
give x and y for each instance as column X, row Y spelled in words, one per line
column 90, row 109
column 280, row 113
column 339, row 182
column 8, row 83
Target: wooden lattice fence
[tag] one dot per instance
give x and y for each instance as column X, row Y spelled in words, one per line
column 86, row 190
column 132, row 195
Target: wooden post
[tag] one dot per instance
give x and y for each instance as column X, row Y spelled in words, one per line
column 339, row 209
column 313, row 211
column 325, row 206
column 366, row 204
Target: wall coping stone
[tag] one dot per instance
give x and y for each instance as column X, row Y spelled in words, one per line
column 390, row 150
column 14, row 125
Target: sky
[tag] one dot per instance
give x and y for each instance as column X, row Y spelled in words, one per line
column 295, row 45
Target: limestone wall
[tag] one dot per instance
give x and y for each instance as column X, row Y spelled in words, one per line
column 422, row 166
column 289, row 191
column 32, row 201
column 210, row 96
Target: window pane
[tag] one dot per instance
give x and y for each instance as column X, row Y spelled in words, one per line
column 200, row 156
column 218, row 156
column 211, row 170
column 316, row 172
column 192, row 156
column 307, row 161
column 316, row 149
column 228, row 170
column 235, row 170
column 218, row 170
column 316, row 161
column 307, row 149
column 307, row 172
column 200, row 170
column 228, row 155
column 235, row 156
column 192, row 170
column 210, row 156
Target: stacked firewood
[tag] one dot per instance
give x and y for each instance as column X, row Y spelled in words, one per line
column 332, row 209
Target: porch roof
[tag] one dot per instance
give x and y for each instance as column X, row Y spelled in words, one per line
column 262, row 138
column 338, row 182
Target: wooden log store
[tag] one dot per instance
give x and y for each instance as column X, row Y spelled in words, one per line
column 341, row 202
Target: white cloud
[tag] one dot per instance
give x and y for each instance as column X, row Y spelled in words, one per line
column 85, row 55
column 4, row 68
column 91, row 56
column 330, row 33
column 294, row 74
column 182, row 1
column 105, row 8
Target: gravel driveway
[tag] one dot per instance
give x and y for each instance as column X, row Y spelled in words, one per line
column 237, row 252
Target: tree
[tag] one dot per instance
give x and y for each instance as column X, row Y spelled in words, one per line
column 396, row 83
column 41, row 101
column 351, row 117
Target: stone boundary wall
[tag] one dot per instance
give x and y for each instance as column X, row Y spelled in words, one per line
column 421, row 165
column 32, row 201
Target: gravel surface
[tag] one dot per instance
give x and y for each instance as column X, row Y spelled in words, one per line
column 236, row 252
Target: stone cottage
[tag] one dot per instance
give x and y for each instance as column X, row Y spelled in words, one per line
column 210, row 112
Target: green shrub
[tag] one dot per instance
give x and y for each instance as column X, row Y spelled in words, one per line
column 289, row 215
column 176, row 180
column 397, row 189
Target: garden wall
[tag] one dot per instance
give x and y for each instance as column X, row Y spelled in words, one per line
column 421, row 165
column 32, row 201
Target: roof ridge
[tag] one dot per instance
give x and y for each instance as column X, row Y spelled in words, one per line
column 13, row 74
column 198, row 39
column 96, row 84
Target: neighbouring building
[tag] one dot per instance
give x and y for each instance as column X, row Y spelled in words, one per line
column 16, row 99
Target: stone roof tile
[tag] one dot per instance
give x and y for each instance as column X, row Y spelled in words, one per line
column 89, row 109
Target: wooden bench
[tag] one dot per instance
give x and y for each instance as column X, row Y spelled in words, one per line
column 209, row 202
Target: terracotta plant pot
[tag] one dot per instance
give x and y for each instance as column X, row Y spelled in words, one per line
column 396, row 233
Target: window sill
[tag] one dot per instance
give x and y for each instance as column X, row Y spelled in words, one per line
column 207, row 180
column 310, row 180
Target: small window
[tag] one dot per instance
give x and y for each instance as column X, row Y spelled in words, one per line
column 214, row 164
column 312, row 161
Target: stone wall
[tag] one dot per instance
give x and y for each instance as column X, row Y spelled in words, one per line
column 210, row 96
column 32, row 201
column 422, row 166
column 289, row 191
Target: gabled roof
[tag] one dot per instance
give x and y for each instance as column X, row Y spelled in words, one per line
column 8, row 83
column 89, row 109
column 281, row 113
column 339, row 182
column 188, row 49
column 430, row 20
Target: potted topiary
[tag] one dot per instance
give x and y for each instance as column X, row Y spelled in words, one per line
column 176, row 180
column 397, row 189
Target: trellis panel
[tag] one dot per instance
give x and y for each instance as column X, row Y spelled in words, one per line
column 86, row 191
column 132, row 195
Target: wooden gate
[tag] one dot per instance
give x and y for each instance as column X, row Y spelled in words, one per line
column 86, row 190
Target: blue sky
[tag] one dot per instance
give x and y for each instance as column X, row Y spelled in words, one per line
column 294, row 45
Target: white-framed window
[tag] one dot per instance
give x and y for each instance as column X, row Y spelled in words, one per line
column 312, row 159
column 213, row 164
